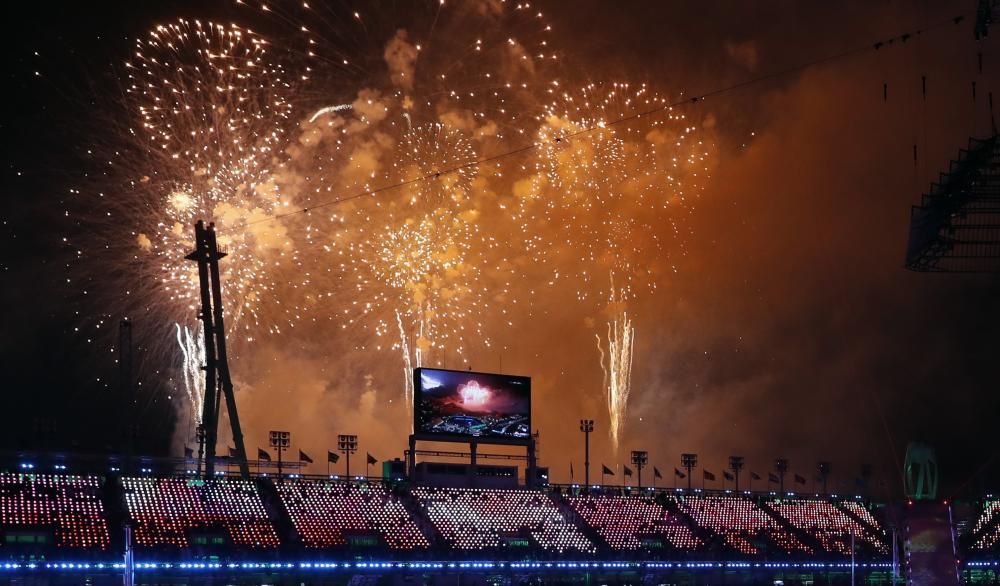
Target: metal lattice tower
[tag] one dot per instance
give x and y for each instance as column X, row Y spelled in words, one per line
column 956, row 227
column 218, row 383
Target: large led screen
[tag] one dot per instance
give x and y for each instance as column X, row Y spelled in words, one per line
column 473, row 404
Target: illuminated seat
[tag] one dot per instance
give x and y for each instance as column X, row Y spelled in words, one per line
column 69, row 505
column 472, row 519
column 986, row 530
column 830, row 525
column 322, row 511
column 623, row 522
column 165, row 510
column 740, row 522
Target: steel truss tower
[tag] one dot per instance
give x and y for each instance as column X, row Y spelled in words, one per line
column 217, row 379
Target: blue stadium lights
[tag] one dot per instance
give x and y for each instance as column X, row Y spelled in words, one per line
column 471, row 566
column 27, row 466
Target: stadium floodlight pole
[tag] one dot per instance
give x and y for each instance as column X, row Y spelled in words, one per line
column 824, row 473
column 736, row 464
column 640, row 458
column 280, row 440
column 586, row 426
column 781, row 467
column 689, row 461
column 347, row 444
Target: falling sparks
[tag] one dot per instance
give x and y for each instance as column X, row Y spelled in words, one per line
column 616, row 364
column 356, row 167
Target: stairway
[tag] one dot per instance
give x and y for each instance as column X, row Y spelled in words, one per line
column 928, row 545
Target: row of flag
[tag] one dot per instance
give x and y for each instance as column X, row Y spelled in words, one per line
column 264, row 455
column 706, row 475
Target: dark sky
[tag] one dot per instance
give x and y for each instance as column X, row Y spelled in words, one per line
column 792, row 327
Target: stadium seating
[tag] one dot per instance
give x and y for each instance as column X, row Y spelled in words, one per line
column 322, row 511
column 740, row 522
column 481, row 519
column 986, row 531
column 165, row 510
column 830, row 525
column 68, row 505
column 622, row 522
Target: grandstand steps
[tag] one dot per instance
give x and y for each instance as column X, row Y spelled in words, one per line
column 711, row 539
column 113, row 499
column 419, row 516
column 573, row 517
column 277, row 514
column 808, row 540
column 861, row 520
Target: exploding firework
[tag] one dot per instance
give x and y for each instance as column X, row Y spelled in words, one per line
column 596, row 201
column 349, row 161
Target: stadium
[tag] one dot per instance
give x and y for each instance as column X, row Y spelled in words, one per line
column 453, row 233
column 68, row 527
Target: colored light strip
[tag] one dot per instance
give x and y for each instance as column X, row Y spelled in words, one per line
column 430, row 565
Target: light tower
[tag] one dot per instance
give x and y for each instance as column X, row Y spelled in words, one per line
column 640, row 458
column 689, row 461
column 347, row 444
column 586, row 426
column 736, row 464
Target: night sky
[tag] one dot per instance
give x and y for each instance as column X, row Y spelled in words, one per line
column 790, row 327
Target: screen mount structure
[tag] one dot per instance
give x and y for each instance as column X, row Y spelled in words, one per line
column 472, row 408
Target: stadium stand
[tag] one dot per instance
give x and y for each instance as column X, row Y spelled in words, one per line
column 70, row 506
column 165, row 510
column 831, row 526
column 986, row 531
column 474, row 519
column 623, row 522
column 740, row 522
column 324, row 512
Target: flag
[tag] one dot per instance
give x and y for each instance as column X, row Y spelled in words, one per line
column 754, row 476
column 262, row 455
column 606, row 470
column 571, row 471
column 371, row 459
column 800, row 479
column 679, row 474
column 628, row 471
column 728, row 475
column 708, row 475
column 656, row 473
column 771, row 477
column 188, row 452
column 332, row 457
column 304, row 457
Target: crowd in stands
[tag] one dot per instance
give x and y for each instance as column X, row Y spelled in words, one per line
column 986, row 531
column 163, row 511
column 80, row 512
column 623, row 522
column 70, row 506
column 832, row 526
column 482, row 519
column 324, row 512
column 741, row 522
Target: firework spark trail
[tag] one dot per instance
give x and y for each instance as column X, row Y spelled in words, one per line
column 192, row 347
column 616, row 364
column 238, row 128
column 600, row 204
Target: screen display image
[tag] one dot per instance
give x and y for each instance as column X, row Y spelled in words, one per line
column 474, row 404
